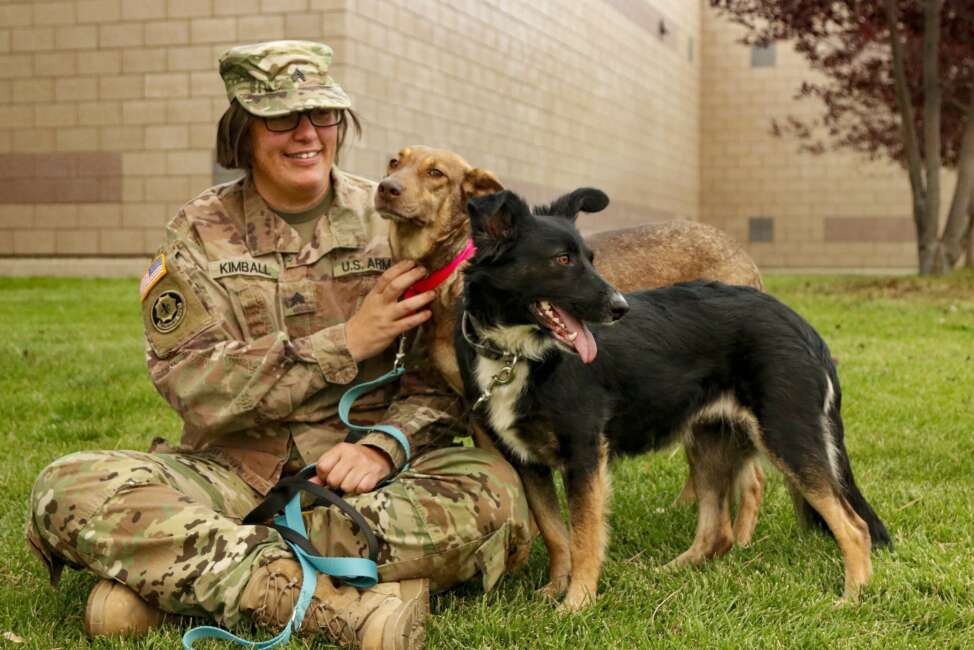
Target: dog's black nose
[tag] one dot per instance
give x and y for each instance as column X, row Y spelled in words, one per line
column 618, row 306
column 390, row 187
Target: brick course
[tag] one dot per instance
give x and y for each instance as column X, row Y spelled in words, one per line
column 121, row 35
column 83, row 177
column 108, row 111
column 98, row 11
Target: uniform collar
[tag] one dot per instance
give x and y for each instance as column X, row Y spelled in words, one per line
column 342, row 227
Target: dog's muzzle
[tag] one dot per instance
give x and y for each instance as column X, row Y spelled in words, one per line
column 618, row 307
column 390, row 187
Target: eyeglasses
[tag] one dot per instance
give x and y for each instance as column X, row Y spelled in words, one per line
column 320, row 117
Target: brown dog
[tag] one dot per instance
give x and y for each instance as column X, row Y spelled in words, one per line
column 424, row 195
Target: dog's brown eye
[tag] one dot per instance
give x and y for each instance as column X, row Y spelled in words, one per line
column 393, row 163
column 564, row 259
column 434, row 172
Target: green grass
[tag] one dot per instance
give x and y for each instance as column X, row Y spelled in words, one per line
column 72, row 376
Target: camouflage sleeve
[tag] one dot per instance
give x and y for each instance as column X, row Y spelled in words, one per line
column 423, row 409
column 227, row 385
column 203, row 366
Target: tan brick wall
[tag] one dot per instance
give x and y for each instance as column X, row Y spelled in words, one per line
column 549, row 98
column 835, row 210
column 651, row 100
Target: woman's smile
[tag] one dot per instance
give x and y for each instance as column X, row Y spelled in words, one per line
column 292, row 169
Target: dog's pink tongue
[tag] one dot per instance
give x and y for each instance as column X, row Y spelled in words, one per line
column 584, row 343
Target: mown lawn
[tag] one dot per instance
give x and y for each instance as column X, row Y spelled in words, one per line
column 72, row 376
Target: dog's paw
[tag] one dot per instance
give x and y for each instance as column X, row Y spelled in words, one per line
column 554, row 589
column 576, row 600
column 743, row 538
column 849, row 599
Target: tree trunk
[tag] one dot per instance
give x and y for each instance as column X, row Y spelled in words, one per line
column 914, row 164
column 959, row 219
column 970, row 236
column 932, row 104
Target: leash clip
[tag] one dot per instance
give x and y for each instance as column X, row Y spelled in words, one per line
column 503, row 377
column 399, row 363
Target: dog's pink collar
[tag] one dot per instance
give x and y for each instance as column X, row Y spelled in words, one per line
column 438, row 277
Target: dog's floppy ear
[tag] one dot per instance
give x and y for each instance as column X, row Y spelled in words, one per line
column 584, row 199
column 478, row 182
column 493, row 221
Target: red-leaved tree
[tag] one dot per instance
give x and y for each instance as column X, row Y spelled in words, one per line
column 898, row 83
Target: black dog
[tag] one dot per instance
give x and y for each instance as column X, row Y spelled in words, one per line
column 561, row 380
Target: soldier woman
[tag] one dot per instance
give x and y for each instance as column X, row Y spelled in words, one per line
column 269, row 298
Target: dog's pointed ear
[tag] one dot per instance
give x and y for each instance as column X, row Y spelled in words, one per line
column 478, row 182
column 493, row 220
column 584, row 199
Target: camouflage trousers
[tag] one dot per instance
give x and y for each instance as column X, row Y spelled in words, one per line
column 168, row 525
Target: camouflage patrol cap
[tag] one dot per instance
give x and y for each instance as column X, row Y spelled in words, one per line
column 280, row 77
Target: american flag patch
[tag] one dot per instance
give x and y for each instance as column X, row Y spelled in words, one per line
column 155, row 272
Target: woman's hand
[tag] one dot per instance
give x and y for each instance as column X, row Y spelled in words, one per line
column 352, row 468
column 381, row 317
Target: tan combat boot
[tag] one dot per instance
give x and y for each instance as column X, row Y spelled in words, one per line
column 115, row 610
column 389, row 616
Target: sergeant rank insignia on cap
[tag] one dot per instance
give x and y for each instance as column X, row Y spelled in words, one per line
column 155, row 272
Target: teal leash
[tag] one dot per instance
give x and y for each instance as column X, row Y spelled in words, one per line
column 352, row 394
column 358, row 572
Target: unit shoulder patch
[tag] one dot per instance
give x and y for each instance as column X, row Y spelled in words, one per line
column 167, row 311
column 172, row 314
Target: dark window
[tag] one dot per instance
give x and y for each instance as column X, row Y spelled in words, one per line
column 762, row 57
column 760, row 229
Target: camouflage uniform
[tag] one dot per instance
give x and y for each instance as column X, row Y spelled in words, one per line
column 245, row 338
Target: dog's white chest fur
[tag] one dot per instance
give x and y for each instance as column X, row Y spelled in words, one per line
column 501, row 406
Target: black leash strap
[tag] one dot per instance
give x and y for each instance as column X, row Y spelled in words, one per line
column 286, row 489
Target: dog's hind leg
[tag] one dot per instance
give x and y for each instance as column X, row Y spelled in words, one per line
column 851, row 533
column 750, row 487
column 539, row 489
column 588, row 497
column 750, row 493
column 713, row 472
column 687, row 495
column 810, row 473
